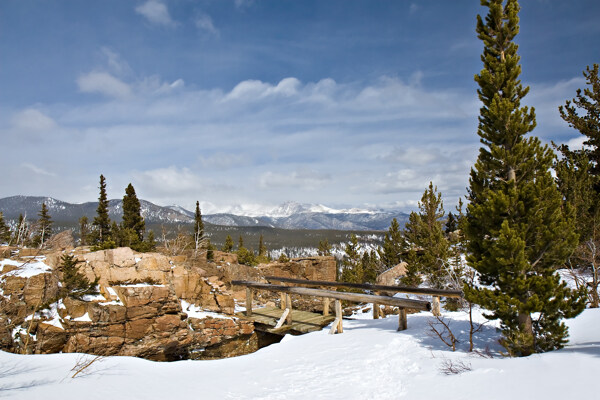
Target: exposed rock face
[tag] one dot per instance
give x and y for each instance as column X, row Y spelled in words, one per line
column 389, row 276
column 60, row 241
column 140, row 310
column 311, row 268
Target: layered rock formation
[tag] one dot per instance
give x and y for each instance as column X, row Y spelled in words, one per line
column 139, row 311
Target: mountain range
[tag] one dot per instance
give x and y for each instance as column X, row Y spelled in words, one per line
column 290, row 215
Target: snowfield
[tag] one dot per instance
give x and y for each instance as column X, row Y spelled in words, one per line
column 370, row 360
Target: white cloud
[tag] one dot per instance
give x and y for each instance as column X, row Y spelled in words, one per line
column 115, row 62
column 241, row 4
column 103, row 83
column 304, row 179
column 38, row 170
column 156, row 12
column 32, row 120
column 205, row 23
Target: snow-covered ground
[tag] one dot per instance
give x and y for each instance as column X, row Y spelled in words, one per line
column 370, row 360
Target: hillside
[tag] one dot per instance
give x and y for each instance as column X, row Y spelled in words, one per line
column 370, row 360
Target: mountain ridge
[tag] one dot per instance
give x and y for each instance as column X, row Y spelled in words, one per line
column 289, row 215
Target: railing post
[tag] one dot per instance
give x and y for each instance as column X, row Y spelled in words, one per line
column 282, row 303
column 249, row 295
column 325, row 304
column 376, row 309
column 402, row 322
column 288, row 303
column 338, row 315
column 435, row 306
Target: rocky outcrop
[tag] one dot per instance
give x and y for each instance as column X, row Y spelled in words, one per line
column 60, row 241
column 139, row 312
column 311, row 268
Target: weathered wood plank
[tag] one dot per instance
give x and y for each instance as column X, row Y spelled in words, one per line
column 435, row 306
column 355, row 297
column 249, row 296
column 367, row 286
column 402, row 321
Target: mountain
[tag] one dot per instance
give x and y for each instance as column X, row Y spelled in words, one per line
column 290, row 215
column 62, row 211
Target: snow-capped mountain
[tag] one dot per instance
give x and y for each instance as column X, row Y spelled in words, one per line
column 289, row 215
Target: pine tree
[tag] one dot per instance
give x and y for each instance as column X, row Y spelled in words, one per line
column 44, row 226
column 578, row 175
column 132, row 214
column 393, row 246
column 240, row 242
column 588, row 124
column 4, row 230
column 429, row 247
column 352, row 266
column 516, row 229
column 324, row 248
column 74, row 283
column 198, row 227
column 102, row 221
column 262, row 249
column 228, row 245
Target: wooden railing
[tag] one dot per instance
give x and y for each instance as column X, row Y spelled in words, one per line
column 402, row 304
column 435, row 293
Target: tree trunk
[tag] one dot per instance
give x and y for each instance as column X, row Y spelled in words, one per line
column 526, row 326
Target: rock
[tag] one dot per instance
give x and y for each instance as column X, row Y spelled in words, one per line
column 60, row 241
column 223, row 258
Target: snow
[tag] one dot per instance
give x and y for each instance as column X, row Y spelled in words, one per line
column 370, row 360
column 26, row 269
column 84, row 318
column 194, row 311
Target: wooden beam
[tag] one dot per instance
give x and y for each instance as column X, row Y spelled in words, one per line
column 249, row 295
column 283, row 318
column 326, row 305
column 354, row 297
column 402, row 322
column 368, row 286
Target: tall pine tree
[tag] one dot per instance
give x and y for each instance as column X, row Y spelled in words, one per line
column 429, row 246
column 101, row 220
column 132, row 213
column 393, row 246
column 516, row 228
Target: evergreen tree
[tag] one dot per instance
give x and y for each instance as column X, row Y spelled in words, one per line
column 588, row 124
column 44, row 226
column 198, row 227
column 451, row 224
column 262, row 249
column 102, row 221
column 132, row 214
column 74, row 283
column 240, row 242
column 84, row 230
column 393, row 246
column 429, row 246
column 4, row 230
column 228, row 245
column 352, row 266
column 578, row 175
column 324, row 248
column 516, row 229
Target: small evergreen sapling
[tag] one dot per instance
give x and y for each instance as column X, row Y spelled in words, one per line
column 74, row 283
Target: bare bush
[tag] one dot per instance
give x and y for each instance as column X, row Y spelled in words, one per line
column 441, row 329
column 449, row 367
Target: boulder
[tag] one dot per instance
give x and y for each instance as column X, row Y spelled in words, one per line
column 60, row 241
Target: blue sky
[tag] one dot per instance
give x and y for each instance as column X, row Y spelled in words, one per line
column 253, row 103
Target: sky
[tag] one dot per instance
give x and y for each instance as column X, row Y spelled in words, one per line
column 244, row 104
